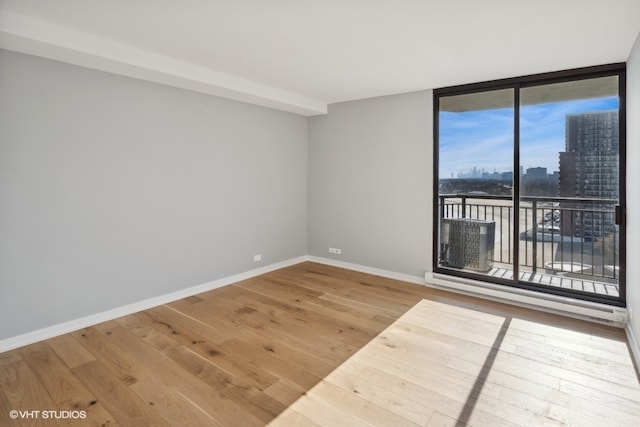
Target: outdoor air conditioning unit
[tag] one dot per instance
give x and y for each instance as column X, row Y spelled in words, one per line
column 468, row 243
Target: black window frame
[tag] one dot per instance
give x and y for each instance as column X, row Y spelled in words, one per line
column 517, row 83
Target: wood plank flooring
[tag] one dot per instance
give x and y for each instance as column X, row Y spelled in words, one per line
column 318, row 345
column 440, row 364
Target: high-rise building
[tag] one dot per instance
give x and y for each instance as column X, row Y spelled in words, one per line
column 589, row 168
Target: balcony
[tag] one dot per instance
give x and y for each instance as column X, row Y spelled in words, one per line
column 569, row 243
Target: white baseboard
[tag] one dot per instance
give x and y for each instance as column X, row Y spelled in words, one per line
column 83, row 322
column 633, row 344
column 370, row 270
column 571, row 307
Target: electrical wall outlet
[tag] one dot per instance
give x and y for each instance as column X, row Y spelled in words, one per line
column 335, row 251
column 257, row 258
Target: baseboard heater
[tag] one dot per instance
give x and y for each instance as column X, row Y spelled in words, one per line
column 595, row 312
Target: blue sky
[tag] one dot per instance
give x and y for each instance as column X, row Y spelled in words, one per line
column 484, row 139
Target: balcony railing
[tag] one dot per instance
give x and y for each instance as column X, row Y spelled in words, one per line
column 574, row 237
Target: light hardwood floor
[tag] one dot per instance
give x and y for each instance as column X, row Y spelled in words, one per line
column 318, row 345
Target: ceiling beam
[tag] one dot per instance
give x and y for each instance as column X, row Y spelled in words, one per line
column 34, row 37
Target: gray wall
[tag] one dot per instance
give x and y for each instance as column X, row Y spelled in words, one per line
column 370, row 164
column 115, row 190
column 633, row 189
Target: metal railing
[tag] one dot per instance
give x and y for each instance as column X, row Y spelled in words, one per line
column 557, row 235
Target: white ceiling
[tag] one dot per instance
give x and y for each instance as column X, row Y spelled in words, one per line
column 300, row 55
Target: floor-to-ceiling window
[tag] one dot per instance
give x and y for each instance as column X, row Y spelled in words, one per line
column 530, row 182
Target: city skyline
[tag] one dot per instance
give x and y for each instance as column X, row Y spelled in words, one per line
column 476, row 172
column 484, row 139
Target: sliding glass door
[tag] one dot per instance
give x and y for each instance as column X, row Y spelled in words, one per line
column 530, row 189
column 475, row 194
column 570, row 185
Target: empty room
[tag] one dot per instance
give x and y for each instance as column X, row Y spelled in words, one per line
column 337, row 213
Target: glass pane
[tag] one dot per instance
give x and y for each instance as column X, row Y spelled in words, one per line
column 476, row 182
column 569, row 181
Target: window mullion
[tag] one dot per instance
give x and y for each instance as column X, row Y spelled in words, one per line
column 516, row 186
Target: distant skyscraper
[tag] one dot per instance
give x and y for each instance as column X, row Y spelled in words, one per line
column 589, row 166
column 537, row 173
column 537, row 182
